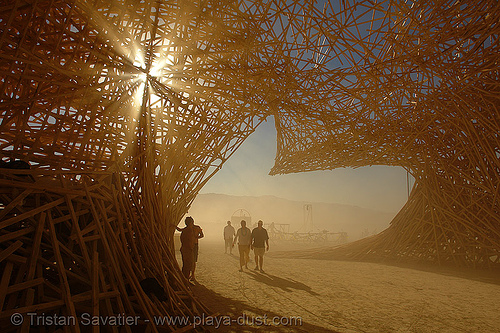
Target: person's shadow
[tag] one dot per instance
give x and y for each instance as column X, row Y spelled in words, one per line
column 284, row 284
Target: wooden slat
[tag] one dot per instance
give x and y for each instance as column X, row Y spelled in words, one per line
column 16, row 234
column 65, row 288
column 4, row 283
column 18, row 200
column 37, row 239
column 95, row 287
column 31, row 213
column 24, row 285
column 9, row 250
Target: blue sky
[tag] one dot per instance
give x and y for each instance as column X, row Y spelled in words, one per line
column 246, row 173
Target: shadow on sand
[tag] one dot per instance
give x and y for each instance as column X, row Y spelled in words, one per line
column 491, row 275
column 283, row 284
column 244, row 316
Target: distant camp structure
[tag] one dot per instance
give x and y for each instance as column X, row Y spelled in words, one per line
column 306, row 233
column 241, row 214
column 281, row 232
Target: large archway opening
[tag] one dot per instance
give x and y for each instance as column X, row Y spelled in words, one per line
column 358, row 201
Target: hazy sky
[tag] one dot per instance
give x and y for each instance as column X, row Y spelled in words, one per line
column 246, row 173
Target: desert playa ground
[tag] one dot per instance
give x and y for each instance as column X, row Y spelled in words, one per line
column 305, row 295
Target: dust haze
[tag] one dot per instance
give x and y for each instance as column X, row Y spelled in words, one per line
column 212, row 211
column 359, row 202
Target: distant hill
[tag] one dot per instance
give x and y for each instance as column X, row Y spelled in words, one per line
column 213, row 210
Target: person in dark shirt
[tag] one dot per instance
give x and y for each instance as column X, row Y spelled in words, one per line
column 189, row 247
column 188, row 240
column 259, row 244
column 198, row 233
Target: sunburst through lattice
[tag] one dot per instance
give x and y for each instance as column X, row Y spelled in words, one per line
column 133, row 105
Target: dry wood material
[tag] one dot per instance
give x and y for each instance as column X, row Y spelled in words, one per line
column 78, row 256
column 124, row 109
column 420, row 90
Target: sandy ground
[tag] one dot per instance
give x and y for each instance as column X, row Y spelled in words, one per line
column 303, row 295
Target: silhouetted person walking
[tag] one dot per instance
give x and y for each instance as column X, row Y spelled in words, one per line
column 260, row 238
column 187, row 246
column 228, row 237
column 198, row 233
column 190, row 234
column 244, row 237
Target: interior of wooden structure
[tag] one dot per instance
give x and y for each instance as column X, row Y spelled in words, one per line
column 124, row 109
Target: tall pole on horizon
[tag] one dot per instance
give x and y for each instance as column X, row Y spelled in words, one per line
column 308, row 217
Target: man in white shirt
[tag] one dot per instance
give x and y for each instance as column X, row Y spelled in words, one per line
column 228, row 237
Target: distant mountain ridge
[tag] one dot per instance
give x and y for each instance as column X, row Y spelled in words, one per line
column 215, row 209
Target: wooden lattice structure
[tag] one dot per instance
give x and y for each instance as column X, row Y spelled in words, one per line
column 124, row 109
column 79, row 248
column 421, row 91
